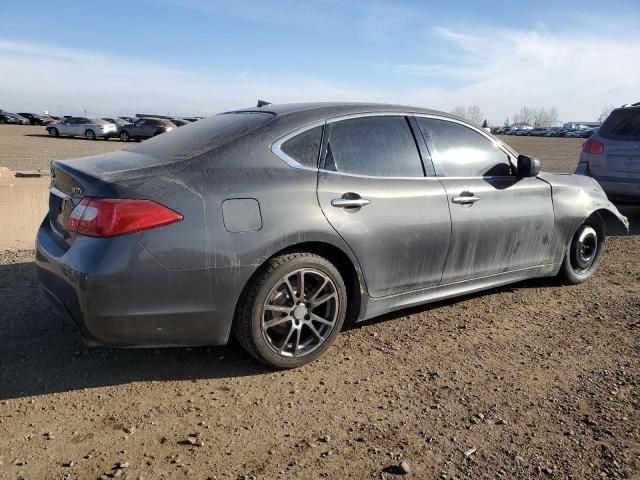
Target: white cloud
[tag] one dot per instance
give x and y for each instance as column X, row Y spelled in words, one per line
column 500, row 70
column 503, row 70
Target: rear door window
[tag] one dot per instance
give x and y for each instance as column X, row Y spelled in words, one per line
column 202, row 136
column 375, row 146
column 461, row 151
column 304, row 148
column 623, row 124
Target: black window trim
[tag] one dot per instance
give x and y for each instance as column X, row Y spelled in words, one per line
column 511, row 155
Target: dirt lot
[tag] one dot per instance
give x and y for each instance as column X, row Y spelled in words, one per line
column 533, row 380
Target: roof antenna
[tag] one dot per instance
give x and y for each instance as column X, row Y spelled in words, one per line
column 263, row 103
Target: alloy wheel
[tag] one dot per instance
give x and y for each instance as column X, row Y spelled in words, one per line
column 300, row 312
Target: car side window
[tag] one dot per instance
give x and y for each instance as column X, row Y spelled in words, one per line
column 304, row 147
column 462, row 152
column 139, row 123
column 375, row 146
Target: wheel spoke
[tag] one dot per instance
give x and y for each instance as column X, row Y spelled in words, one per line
column 319, row 290
column 317, row 318
column 277, row 308
column 286, row 340
column 301, row 285
column 315, row 331
column 323, row 299
column 275, row 322
column 297, row 342
column 291, row 290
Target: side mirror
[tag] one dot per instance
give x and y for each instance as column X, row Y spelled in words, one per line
column 528, row 166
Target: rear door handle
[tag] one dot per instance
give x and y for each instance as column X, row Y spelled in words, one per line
column 465, row 199
column 349, row 202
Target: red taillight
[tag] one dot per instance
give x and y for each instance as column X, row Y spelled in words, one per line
column 593, row 147
column 110, row 217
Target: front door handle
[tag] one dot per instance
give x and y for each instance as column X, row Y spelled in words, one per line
column 465, row 199
column 350, row 201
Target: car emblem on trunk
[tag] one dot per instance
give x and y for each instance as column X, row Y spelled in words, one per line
column 77, row 190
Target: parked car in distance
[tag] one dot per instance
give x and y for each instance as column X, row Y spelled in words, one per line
column 12, row 118
column 612, row 155
column 129, row 119
column 89, row 128
column 180, row 122
column 35, row 119
column 537, row 131
column 117, row 121
column 555, row 132
column 281, row 223
column 144, row 128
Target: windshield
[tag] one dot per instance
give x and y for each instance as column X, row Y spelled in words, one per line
column 202, row 136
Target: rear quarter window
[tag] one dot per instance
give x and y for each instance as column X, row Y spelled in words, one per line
column 304, row 148
column 202, row 136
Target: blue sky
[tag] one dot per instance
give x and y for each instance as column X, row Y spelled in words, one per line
column 198, row 56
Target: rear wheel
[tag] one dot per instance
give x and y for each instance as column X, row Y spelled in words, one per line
column 54, row 132
column 90, row 135
column 584, row 254
column 124, row 136
column 292, row 311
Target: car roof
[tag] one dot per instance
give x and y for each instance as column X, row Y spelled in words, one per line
column 321, row 110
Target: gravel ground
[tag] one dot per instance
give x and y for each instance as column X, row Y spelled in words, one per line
column 533, row 380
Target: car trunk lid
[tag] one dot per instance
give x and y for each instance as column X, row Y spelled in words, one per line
column 72, row 180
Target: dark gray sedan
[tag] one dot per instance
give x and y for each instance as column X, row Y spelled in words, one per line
column 281, row 223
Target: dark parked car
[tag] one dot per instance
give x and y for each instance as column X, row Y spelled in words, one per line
column 144, row 128
column 612, row 155
column 129, row 119
column 12, row 118
column 180, row 122
column 117, row 121
column 35, row 119
column 537, row 131
column 278, row 224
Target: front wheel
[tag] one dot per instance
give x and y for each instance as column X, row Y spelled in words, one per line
column 54, row 132
column 90, row 135
column 293, row 311
column 583, row 255
column 124, row 137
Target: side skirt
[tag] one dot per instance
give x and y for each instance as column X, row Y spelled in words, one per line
column 373, row 307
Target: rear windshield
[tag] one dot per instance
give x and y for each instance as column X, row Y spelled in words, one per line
column 98, row 121
column 622, row 124
column 202, row 136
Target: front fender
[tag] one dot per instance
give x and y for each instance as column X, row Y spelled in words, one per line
column 575, row 199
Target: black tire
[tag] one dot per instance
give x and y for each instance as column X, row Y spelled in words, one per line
column 90, row 134
column 2, row 121
column 583, row 254
column 250, row 325
column 53, row 131
column 124, row 136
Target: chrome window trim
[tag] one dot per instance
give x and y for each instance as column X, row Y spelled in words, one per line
column 276, row 147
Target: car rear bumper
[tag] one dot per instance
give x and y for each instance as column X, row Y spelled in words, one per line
column 117, row 294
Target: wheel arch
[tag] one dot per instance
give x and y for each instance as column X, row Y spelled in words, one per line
column 346, row 264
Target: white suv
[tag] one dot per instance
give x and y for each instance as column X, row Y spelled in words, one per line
column 612, row 155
